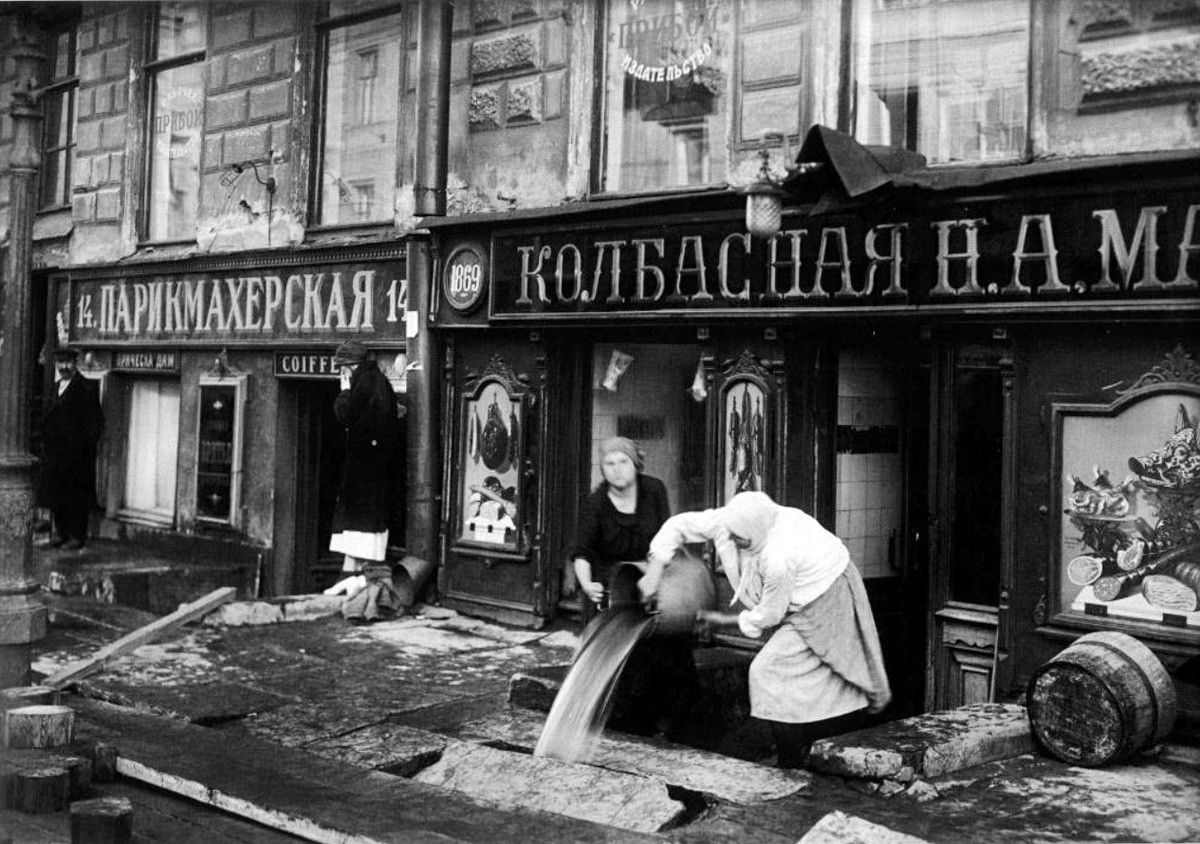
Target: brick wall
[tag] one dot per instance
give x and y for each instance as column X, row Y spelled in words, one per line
column 100, row 167
column 252, row 67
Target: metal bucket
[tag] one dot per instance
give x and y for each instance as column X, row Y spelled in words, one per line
column 410, row 576
column 687, row 587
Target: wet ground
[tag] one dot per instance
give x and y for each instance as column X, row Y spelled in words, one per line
column 370, row 696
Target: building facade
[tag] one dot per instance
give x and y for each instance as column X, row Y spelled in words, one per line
column 967, row 345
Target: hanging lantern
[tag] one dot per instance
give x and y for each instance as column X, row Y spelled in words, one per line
column 764, row 208
column 764, row 196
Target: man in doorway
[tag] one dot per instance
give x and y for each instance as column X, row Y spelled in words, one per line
column 71, row 428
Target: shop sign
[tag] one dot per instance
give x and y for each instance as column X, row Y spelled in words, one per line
column 1002, row 253
column 465, row 279
column 332, row 302
column 305, row 365
column 141, row 360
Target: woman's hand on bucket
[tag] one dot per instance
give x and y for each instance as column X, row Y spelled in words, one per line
column 648, row 583
column 715, row 618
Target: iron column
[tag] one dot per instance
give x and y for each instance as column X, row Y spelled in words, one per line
column 22, row 616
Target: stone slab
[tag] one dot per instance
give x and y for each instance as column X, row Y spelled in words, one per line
column 313, row 797
column 933, row 745
column 275, row 611
column 504, row 778
column 840, row 828
column 388, row 747
column 723, row 777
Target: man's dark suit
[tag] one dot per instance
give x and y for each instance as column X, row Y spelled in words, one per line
column 71, row 429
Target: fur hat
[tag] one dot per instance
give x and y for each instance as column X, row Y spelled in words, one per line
column 350, row 353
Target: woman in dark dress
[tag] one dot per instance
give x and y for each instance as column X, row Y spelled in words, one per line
column 616, row 523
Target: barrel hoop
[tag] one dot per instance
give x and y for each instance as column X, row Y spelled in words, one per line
column 1141, row 672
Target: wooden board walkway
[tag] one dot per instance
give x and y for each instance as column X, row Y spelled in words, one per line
column 313, row 798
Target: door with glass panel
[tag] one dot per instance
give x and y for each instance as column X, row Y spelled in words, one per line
column 880, row 470
column 971, row 490
column 151, row 450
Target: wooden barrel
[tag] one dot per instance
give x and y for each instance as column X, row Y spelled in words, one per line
column 687, row 587
column 1100, row 700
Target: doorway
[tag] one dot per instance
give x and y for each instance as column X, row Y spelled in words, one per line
column 881, row 449
column 320, row 451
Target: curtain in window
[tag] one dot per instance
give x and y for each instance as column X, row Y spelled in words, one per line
column 152, row 447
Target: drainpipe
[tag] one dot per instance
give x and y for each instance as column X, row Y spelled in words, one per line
column 435, row 23
column 22, row 616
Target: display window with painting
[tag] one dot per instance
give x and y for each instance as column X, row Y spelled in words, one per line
column 1129, row 502
column 492, row 455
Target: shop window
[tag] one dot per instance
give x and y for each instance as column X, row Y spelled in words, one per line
column 364, row 53
column 219, row 450
column 870, row 461
column 640, row 391
column 151, row 450
column 678, row 74
column 946, row 78
column 1128, row 503
column 175, row 74
column 58, row 129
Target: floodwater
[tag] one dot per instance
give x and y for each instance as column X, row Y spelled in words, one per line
column 585, row 700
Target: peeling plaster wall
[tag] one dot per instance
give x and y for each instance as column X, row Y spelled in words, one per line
column 511, row 102
column 253, row 59
column 1120, row 77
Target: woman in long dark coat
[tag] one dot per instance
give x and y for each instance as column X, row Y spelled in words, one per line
column 366, row 406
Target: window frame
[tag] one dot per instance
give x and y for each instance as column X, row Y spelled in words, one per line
column 67, row 85
column 325, row 24
column 848, row 99
column 123, row 511
column 152, row 69
column 600, row 129
column 240, row 385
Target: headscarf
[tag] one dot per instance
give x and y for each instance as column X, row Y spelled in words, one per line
column 627, row 447
column 749, row 516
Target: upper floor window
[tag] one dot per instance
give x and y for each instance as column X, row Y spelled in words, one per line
column 946, row 78
column 175, row 74
column 688, row 84
column 364, row 49
column 58, row 130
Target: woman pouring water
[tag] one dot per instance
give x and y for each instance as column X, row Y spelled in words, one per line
column 821, row 671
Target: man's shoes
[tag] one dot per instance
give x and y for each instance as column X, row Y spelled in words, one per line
column 73, row 545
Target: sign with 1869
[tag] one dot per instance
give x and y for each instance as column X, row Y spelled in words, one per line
column 465, row 278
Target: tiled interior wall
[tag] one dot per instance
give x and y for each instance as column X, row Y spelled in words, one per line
column 655, row 384
column 870, row 484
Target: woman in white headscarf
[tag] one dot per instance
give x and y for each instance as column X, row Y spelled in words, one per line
column 822, row 670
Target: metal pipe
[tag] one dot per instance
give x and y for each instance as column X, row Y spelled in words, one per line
column 435, row 23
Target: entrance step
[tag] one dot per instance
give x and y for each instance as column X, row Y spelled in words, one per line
column 929, row 745
column 722, row 777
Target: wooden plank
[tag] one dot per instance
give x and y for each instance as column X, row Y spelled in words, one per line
column 141, row 636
